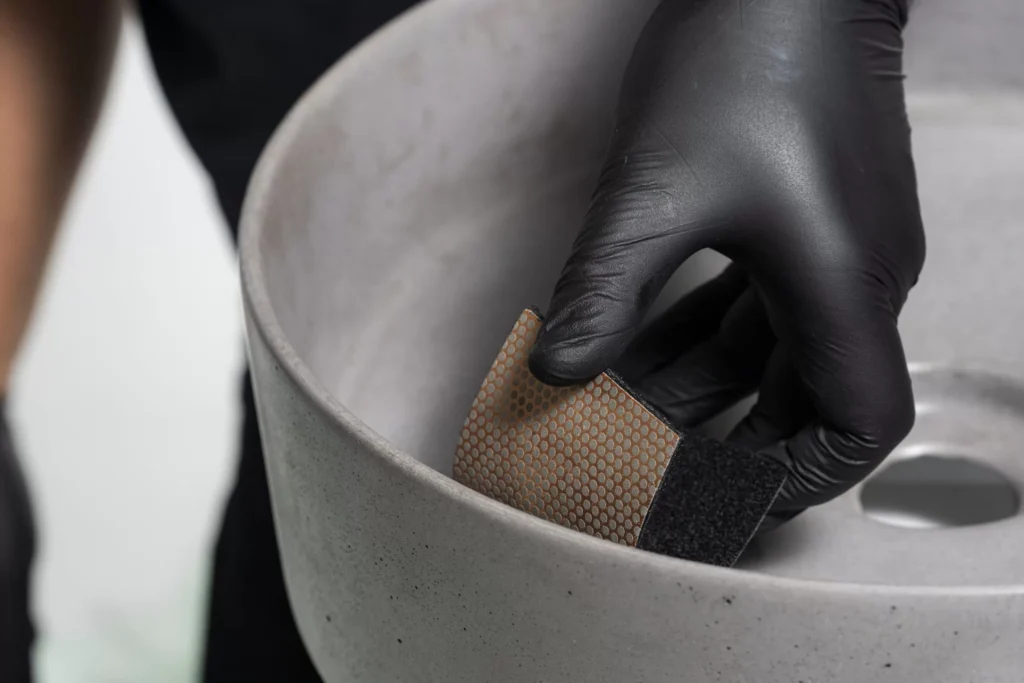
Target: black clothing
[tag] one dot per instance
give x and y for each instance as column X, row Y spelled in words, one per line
column 231, row 70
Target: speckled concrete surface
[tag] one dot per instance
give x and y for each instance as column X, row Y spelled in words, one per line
column 425, row 193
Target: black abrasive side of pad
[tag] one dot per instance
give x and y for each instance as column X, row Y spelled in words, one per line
column 711, row 501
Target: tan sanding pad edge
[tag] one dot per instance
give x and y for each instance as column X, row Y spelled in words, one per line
column 589, row 458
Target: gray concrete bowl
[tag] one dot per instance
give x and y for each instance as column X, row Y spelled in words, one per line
column 426, row 191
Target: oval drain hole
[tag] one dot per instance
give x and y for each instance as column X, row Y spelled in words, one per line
column 933, row 491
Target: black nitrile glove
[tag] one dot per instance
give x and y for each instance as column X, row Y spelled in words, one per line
column 776, row 133
column 17, row 546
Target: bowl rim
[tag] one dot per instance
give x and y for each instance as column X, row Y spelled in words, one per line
column 265, row 323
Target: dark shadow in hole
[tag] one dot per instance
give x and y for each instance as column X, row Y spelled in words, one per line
column 940, row 491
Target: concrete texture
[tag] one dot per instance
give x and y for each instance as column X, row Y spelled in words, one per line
column 423, row 194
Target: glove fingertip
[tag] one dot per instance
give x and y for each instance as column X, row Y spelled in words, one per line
column 562, row 363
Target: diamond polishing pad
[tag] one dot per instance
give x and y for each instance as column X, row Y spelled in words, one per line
column 598, row 459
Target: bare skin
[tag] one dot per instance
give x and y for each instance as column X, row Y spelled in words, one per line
column 55, row 58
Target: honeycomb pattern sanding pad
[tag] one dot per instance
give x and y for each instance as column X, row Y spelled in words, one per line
column 597, row 459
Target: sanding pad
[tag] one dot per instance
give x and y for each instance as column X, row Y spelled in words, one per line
column 597, row 459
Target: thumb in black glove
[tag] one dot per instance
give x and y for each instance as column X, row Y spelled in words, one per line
column 774, row 132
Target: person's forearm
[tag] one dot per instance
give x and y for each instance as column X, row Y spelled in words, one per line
column 54, row 60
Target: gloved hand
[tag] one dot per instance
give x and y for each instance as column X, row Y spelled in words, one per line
column 17, row 546
column 774, row 132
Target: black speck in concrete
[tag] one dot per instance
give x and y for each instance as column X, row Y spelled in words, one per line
column 399, row 641
column 570, row 592
column 328, row 618
column 888, row 665
column 728, row 599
